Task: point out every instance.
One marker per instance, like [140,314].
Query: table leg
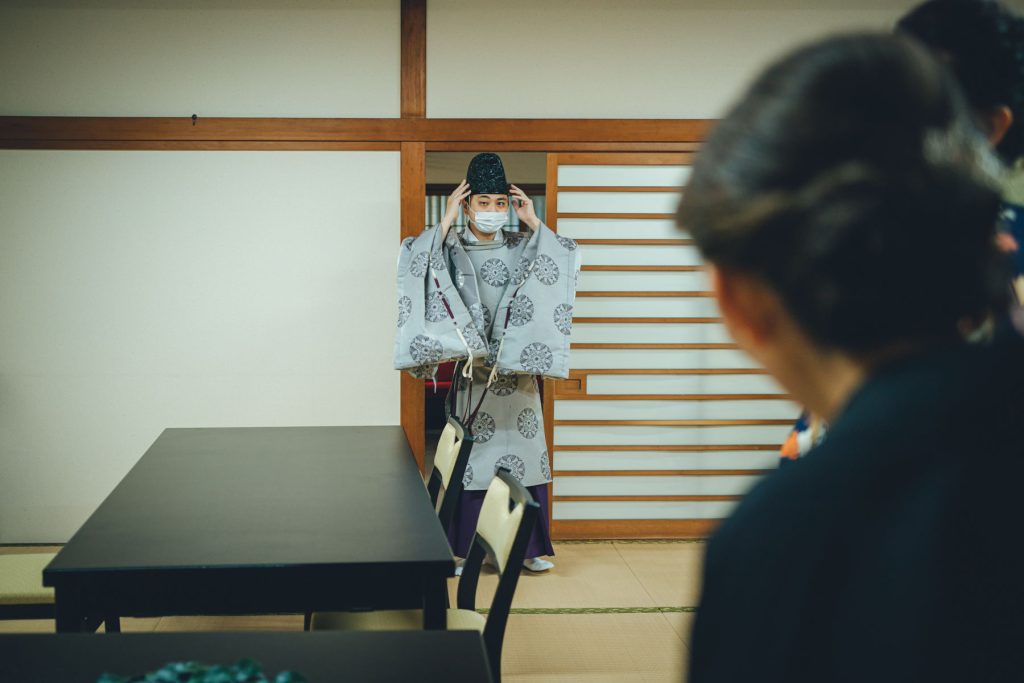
[435,594]
[69,616]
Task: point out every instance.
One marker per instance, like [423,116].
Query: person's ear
[749,308]
[999,121]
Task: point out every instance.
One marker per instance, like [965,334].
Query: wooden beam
[511,146]
[414,58]
[566,529]
[58,130]
[204,145]
[413,180]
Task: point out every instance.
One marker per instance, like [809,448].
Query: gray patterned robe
[454,301]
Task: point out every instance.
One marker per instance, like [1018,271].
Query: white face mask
[490,222]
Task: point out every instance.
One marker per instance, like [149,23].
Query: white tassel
[494,370]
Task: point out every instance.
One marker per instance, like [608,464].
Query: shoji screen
[664,423]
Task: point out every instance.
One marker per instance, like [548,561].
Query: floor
[610,611]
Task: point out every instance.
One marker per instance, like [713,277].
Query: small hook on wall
[194,119]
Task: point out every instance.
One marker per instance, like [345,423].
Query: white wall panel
[643,281]
[606,435]
[610,175]
[144,290]
[619,228]
[646,307]
[614,59]
[682,384]
[305,58]
[709,485]
[618,202]
[566,409]
[611,359]
[568,461]
[643,510]
[639,255]
[650,333]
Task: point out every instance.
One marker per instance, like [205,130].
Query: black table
[366,657]
[259,521]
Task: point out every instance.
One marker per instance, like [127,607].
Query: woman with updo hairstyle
[847,209]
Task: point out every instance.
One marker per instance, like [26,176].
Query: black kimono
[895,552]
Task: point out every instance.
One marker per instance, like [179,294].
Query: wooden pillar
[414,169]
[413,183]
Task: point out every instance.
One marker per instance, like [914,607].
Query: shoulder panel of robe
[434,324]
[538,343]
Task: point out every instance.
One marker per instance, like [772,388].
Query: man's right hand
[452,211]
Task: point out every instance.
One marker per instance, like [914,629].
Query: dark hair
[852,181]
[983,44]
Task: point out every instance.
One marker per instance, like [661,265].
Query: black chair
[450,462]
[507,518]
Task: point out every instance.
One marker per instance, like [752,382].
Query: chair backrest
[450,461]
[507,518]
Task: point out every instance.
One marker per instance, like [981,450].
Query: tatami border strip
[598,610]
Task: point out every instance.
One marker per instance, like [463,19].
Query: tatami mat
[584,576]
[612,612]
[28,549]
[669,572]
[682,623]
[286,622]
[47,625]
[592,647]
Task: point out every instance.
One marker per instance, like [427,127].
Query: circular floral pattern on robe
[404,310]
[476,312]
[503,385]
[423,349]
[536,358]
[437,260]
[527,423]
[569,244]
[494,272]
[521,310]
[492,353]
[473,338]
[546,269]
[545,466]
[513,463]
[418,265]
[521,271]
[563,318]
[483,427]
[467,478]
[435,310]
[422,371]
